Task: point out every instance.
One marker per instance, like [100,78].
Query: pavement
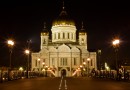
[68,83]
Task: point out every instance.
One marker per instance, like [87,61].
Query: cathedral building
[65,51]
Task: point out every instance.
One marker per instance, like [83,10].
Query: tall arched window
[58,35]
[63,35]
[63,61]
[68,36]
[83,60]
[44,41]
[36,63]
[82,40]
[75,63]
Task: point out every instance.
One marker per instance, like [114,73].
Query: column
[56,35]
[65,35]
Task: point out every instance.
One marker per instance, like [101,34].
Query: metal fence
[16,74]
[112,74]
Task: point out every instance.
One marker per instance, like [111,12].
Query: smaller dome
[82,30]
[63,19]
[44,31]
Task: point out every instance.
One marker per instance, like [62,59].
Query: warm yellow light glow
[3,79]
[63,23]
[38,59]
[84,63]
[84,69]
[43,69]
[107,68]
[21,69]
[27,51]
[116,41]
[10,42]
[78,68]
[81,66]
[43,63]
[88,59]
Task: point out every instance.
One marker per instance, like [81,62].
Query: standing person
[63,73]
[119,74]
[93,72]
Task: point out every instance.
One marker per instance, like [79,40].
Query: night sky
[22,21]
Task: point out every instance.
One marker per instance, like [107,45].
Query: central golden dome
[63,19]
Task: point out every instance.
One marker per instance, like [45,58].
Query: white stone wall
[63,51]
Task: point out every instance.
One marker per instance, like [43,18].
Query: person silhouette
[63,73]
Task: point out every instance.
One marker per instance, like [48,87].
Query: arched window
[75,63]
[82,41]
[36,63]
[44,41]
[83,60]
[63,61]
[68,36]
[63,35]
[58,35]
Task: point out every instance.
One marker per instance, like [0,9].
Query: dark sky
[103,21]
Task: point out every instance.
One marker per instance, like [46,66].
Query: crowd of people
[120,74]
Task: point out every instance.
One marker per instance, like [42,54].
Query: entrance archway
[63,72]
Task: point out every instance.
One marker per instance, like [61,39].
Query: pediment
[64,48]
[75,49]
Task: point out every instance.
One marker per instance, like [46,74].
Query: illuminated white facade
[63,51]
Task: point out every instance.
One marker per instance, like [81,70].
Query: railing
[16,74]
[112,74]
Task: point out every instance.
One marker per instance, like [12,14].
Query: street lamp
[43,68]
[88,59]
[116,43]
[99,59]
[39,63]
[46,67]
[27,52]
[10,44]
[81,66]
[84,68]
[43,64]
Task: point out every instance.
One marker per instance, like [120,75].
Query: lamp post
[43,68]
[46,68]
[99,59]
[27,52]
[39,64]
[116,46]
[10,45]
[84,69]
[88,59]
